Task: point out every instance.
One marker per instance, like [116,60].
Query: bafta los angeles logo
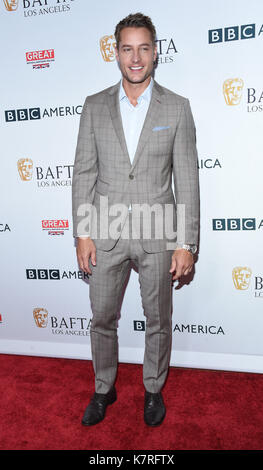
[241,277]
[25,168]
[11,5]
[107,48]
[41,317]
[232,90]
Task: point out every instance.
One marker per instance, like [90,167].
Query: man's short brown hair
[135,20]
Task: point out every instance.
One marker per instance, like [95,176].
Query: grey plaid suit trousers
[106,289]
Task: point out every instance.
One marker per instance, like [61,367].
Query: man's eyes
[129,49]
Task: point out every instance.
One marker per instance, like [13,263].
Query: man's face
[136,54]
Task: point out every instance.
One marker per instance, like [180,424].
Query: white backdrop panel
[217,323]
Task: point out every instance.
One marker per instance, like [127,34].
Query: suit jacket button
[131,177]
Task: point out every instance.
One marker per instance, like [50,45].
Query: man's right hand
[86,250]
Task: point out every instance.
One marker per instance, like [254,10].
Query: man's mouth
[136,68]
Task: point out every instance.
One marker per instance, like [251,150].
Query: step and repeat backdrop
[53,54]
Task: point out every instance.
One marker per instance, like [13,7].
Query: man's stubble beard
[136,81]
[141,80]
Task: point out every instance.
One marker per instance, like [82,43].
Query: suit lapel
[152,117]
[114,106]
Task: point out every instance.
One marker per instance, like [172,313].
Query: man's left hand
[182,263]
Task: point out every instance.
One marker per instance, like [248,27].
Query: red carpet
[43,399]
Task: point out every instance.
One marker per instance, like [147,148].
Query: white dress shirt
[133,117]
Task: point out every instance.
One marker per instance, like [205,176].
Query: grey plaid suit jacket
[104,177]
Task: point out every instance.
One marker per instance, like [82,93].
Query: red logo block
[46,54]
[55,224]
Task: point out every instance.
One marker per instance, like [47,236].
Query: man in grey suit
[132,138]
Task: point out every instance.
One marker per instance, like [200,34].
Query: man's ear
[116,53]
[155,53]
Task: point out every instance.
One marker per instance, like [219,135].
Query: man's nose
[136,56]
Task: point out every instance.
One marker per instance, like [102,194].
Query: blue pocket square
[160,128]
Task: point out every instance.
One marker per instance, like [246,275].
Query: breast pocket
[161,141]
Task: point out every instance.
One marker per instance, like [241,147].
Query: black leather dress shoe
[154,409]
[95,411]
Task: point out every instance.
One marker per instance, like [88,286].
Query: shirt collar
[146,95]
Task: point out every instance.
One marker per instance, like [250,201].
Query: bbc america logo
[54,274]
[236,224]
[32,114]
[22,114]
[51,274]
[233,33]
